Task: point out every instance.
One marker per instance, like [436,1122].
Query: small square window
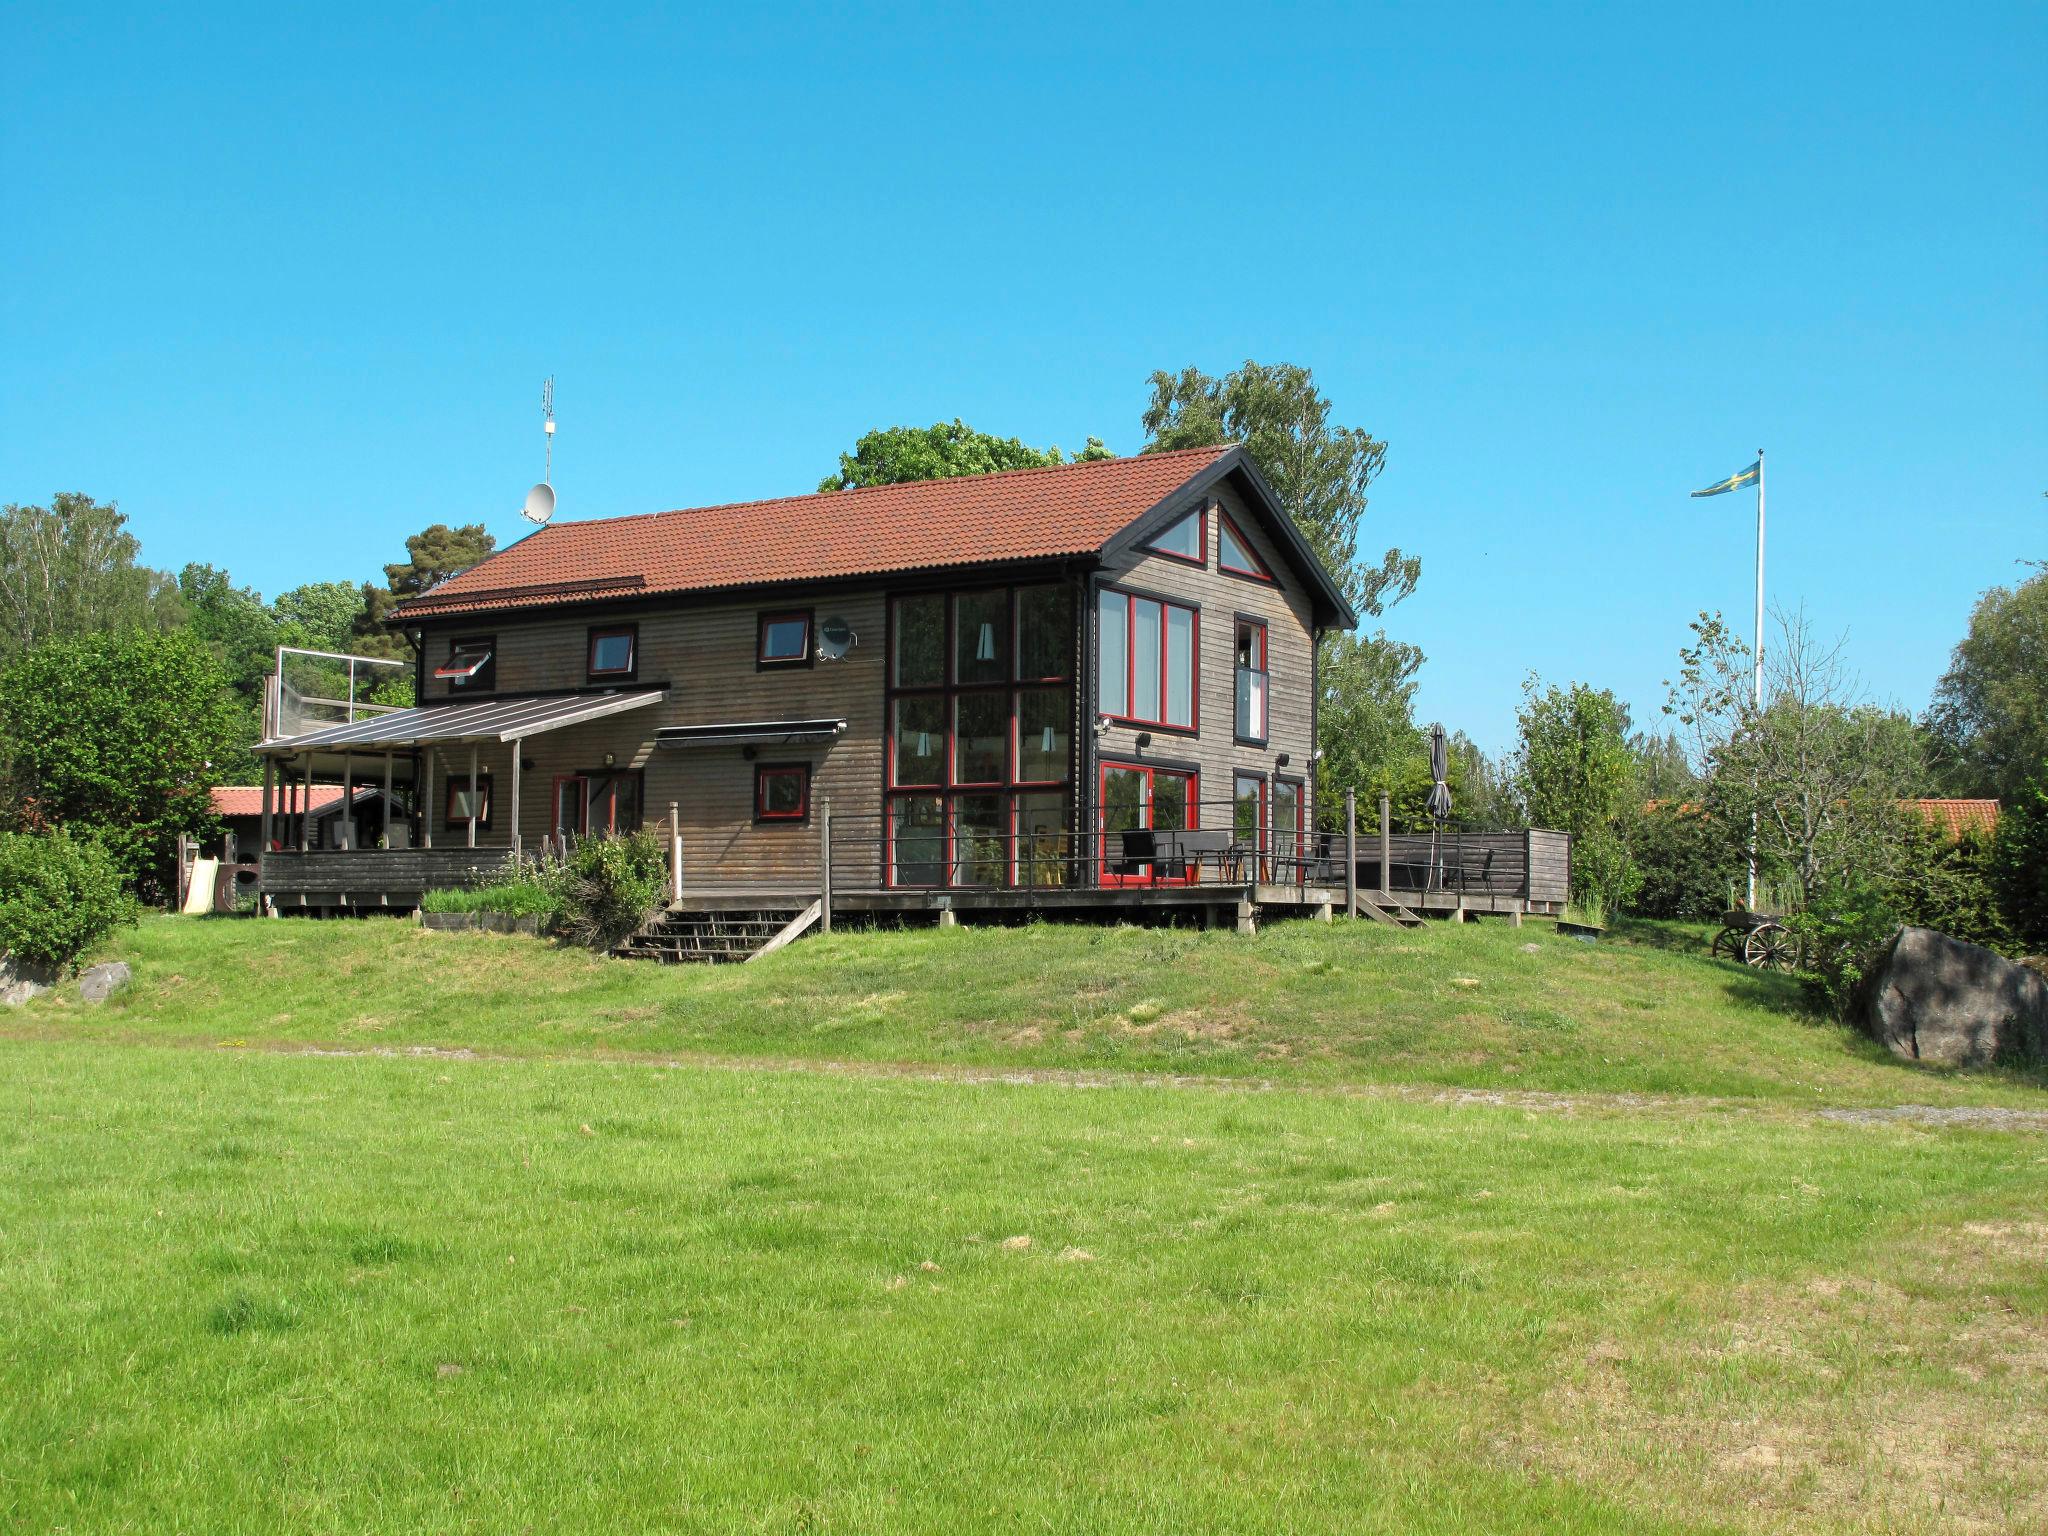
[464,802]
[472,665]
[782,792]
[785,640]
[612,652]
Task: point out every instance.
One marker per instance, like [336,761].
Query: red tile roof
[1019,514]
[1953,816]
[247,799]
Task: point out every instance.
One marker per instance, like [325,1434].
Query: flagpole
[1756,685]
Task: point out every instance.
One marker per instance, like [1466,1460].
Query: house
[1952,818]
[240,810]
[1033,688]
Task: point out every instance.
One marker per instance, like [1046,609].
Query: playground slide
[199,891]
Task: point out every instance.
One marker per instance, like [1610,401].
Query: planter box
[479,922]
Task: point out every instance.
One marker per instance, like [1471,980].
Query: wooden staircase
[1386,910]
[692,933]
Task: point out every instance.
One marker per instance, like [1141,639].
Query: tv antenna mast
[540,501]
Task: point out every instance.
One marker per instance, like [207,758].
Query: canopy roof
[483,720]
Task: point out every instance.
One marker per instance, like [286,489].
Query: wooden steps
[718,934]
[1386,910]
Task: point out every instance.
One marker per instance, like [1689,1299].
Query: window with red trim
[1234,552]
[462,802]
[785,639]
[782,791]
[1187,539]
[1254,684]
[1147,660]
[472,664]
[614,651]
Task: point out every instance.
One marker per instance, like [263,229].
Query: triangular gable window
[1234,553]
[1186,540]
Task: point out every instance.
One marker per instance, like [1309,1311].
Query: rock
[100,982]
[20,981]
[1928,997]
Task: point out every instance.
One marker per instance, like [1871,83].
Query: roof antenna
[540,501]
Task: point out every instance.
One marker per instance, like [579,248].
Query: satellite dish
[836,638]
[540,503]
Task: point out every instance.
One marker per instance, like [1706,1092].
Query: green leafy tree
[2019,864]
[240,630]
[1949,883]
[899,455]
[320,615]
[1688,866]
[1366,724]
[1320,471]
[432,555]
[1573,772]
[1990,711]
[119,735]
[70,569]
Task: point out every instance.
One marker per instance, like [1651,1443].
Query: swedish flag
[1735,482]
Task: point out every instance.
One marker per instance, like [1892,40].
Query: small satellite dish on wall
[836,638]
[540,503]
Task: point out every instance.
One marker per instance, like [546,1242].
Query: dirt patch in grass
[1846,1402]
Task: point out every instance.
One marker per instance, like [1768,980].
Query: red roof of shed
[1019,514]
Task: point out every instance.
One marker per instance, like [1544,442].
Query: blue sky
[285,282]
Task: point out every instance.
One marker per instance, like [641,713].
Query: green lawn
[1465,1007]
[560,1286]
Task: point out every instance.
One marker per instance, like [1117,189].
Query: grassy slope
[254,1292]
[1466,1006]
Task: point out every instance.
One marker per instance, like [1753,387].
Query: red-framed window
[979,736]
[1254,684]
[1234,552]
[1187,539]
[1290,829]
[782,792]
[472,664]
[1251,817]
[596,801]
[783,640]
[1138,798]
[460,802]
[614,651]
[1148,660]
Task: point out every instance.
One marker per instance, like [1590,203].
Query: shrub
[1686,865]
[2019,866]
[1946,883]
[1839,933]
[59,896]
[608,885]
[522,894]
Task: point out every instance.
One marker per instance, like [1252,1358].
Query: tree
[2019,864]
[70,569]
[1319,471]
[1990,710]
[432,555]
[1366,722]
[1688,867]
[243,635]
[1817,771]
[1573,772]
[898,455]
[119,735]
[320,615]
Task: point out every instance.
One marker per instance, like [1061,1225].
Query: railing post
[675,852]
[1351,853]
[1386,845]
[824,866]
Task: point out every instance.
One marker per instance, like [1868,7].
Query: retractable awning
[485,720]
[781,733]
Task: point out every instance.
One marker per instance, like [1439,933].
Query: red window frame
[1130,715]
[763,662]
[1257,570]
[457,783]
[1257,626]
[1192,777]
[1298,833]
[631,632]
[763,773]
[1201,555]
[479,677]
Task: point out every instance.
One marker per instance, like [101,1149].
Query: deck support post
[675,852]
[426,798]
[386,838]
[1458,912]
[1515,918]
[476,802]
[1351,853]
[824,866]
[518,746]
[1247,918]
[1322,912]
[269,778]
[306,809]
[345,823]
[1386,845]
[948,918]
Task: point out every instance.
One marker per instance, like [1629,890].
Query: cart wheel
[1771,948]
[1724,946]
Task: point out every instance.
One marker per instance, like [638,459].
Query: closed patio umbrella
[1439,796]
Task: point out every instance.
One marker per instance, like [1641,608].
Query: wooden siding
[1550,865]
[1285,606]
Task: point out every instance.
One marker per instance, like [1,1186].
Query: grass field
[557,1286]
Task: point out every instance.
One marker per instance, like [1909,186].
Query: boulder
[99,982]
[20,981]
[1928,997]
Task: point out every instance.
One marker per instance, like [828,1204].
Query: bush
[1686,865]
[519,894]
[1947,884]
[2019,866]
[606,886]
[1839,933]
[59,896]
